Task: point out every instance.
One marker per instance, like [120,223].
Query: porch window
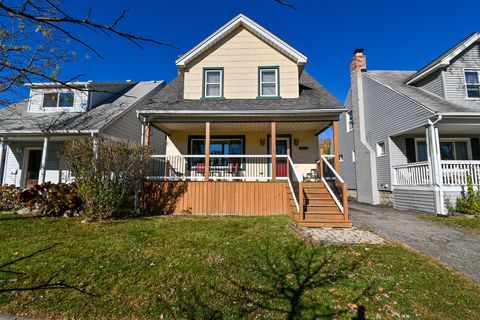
[218,146]
[213,83]
[58,99]
[268,82]
[472,81]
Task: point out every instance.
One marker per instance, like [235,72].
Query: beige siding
[240,54]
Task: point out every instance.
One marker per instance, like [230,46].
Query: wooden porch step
[313,202]
[316,192]
[328,216]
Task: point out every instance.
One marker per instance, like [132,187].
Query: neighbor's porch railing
[417,173]
[455,173]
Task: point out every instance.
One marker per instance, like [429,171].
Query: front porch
[252,168]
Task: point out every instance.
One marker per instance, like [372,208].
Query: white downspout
[43,163]
[2,155]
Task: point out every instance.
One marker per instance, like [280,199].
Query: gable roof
[230,26]
[313,98]
[445,59]
[395,80]
[16,120]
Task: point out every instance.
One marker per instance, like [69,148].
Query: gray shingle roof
[313,96]
[396,81]
[16,119]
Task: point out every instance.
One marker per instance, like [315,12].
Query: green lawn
[219,268]
[456,221]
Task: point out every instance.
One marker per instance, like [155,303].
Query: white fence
[456,172]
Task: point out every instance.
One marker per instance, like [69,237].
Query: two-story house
[411,138]
[33,130]
[242,120]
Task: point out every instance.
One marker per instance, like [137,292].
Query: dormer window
[58,100]
[268,80]
[213,83]
[472,81]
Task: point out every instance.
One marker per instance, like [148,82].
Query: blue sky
[402,35]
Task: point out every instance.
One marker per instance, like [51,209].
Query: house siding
[388,113]
[415,199]
[347,145]
[454,75]
[433,84]
[240,54]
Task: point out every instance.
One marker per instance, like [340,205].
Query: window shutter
[410,145]
[475,142]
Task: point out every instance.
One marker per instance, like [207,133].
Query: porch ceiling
[171,127]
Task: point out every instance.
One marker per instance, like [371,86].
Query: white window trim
[353,156]
[220,95]
[267,82]
[378,149]
[58,101]
[477,70]
[461,139]
[348,122]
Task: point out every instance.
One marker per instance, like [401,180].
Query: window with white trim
[353,156]
[58,100]
[472,83]
[268,82]
[349,120]
[380,149]
[213,83]
[450,149]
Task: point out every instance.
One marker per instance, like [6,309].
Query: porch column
[433,142]
[2,154]
[43,163]
[207,151]
[336,148]
[274,150]
[146,134]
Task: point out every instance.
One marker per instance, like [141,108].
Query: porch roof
[314,98]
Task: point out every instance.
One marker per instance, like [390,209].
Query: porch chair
[233,168]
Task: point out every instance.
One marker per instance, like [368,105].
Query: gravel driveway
[458,248]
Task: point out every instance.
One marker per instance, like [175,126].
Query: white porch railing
[333,181]
[416,173]
[455,173]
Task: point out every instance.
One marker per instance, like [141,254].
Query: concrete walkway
[457,248]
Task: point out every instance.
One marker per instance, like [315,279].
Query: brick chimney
[359,61]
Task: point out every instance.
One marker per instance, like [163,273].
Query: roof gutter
[240,112]
[34,132]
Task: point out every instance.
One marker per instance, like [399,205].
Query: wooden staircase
[318,208]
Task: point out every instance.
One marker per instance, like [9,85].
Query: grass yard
[219,268]
[456,221]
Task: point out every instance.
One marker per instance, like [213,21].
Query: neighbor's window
[380,149]
[353,156]
[472,80]
[349,120]
[58,99]
[213,83]
[449,150]
[268,82]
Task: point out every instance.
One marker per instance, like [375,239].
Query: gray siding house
[33,130]
[413,135]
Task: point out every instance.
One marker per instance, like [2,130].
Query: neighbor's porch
[437,161]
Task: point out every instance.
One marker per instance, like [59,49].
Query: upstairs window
[213,83]
[349,120]
[268,82]
[472,81]
[58,99]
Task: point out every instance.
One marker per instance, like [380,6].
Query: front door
[283,148]
[33,167]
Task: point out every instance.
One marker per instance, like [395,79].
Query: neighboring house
[33,130]
[411,138]
[242,120]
